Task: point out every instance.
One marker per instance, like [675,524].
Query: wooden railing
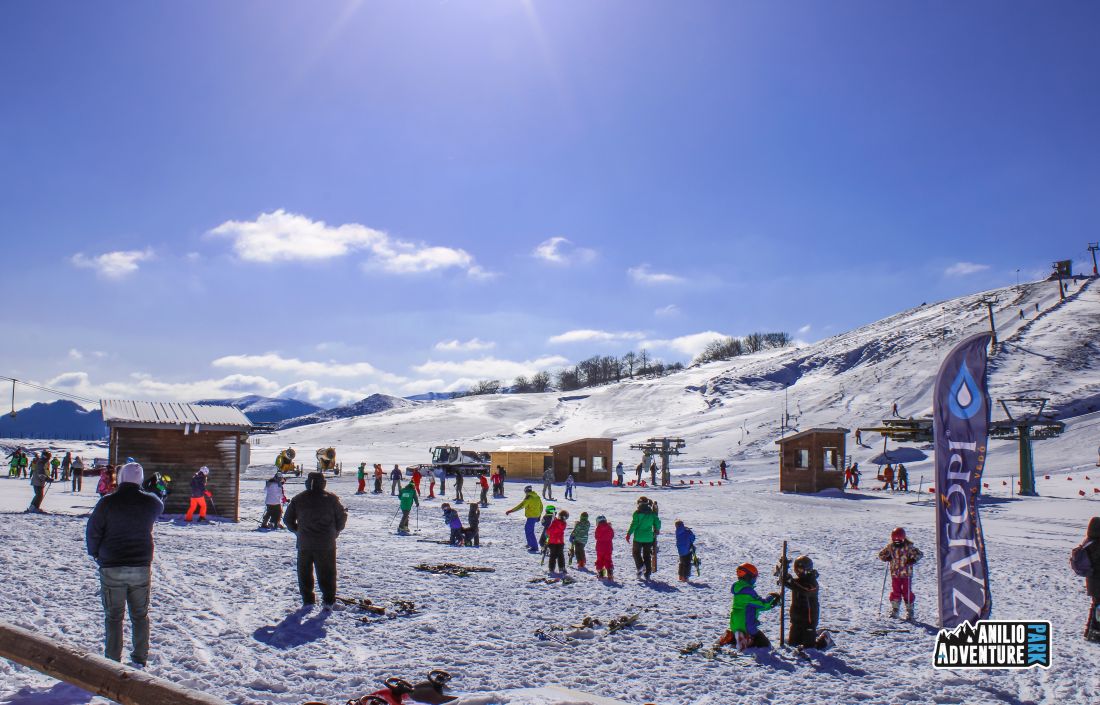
[93,673]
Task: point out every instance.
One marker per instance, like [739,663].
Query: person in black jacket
[804,606]
[1092,583]
[316,517]
[120,538]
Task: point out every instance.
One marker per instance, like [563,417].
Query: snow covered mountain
[267,409]
[732,409]
[373,404]
[57,419]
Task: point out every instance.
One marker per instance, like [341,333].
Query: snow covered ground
[225,595]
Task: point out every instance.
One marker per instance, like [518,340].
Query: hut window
[597,463]
[830,459]
[803,459]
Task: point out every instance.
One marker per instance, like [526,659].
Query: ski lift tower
[663,447]
[1030,423]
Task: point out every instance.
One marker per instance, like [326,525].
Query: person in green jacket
[578,538]
[744,625]
[532,509]
[408,498]
[644,527]
[361,476]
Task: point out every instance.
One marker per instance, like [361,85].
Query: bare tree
[540,382]
[643,361]
[754,342]
[521,385]
[629,360]
[569,379]
[485,386]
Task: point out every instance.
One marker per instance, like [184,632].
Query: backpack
[1079,560]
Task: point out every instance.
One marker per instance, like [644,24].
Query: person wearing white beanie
[198,495]
[119,537]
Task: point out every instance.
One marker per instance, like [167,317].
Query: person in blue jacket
[685,546]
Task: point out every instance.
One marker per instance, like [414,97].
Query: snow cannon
[1081,492]
[1096,490]
[326,459]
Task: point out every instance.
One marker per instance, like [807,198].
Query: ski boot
[909,611]
[895,605]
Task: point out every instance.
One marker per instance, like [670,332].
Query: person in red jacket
[605,538]
[416,480]
[555,541]
[484,481]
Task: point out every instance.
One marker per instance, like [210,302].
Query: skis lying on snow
[459,571]
[589,625]
[717,651]
[396,608]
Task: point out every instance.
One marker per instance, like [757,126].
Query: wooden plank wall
[520,465]
[172,453]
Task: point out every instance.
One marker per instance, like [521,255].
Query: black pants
[685,566]
[39,494]
[643,556]
[485,496]
[471,536]
[458,490]
[578,553]
[457,537]
[378,485]
[1092,624]
[395,486]
[77,484]
[557,557]
[403,527]
[272,516]
[324,562]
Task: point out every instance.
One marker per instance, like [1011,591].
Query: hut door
[829,461]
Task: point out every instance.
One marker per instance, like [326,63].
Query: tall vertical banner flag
[961,411]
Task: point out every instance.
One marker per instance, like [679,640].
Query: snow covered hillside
[373,404]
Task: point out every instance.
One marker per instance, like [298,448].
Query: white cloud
[667,311]
[304,368]
[145,387]
[642,274]
[587,335]
[961,269]
[75,354]
[473,344]
[314,393]
[688,345]
[281,237]
[488,368]
[804,329]
[112,265]
[560,250]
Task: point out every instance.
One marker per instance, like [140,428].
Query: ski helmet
[528,488]
[803,564]
[897,534]
[600,518]
[550,509]
[747,570]
[204,470]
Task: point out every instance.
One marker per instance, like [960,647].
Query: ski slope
[225,595]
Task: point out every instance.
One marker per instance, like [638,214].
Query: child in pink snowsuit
[902,555]
[605,538]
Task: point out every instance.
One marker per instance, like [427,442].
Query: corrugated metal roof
[171,413]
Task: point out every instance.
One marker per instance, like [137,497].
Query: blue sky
[328,199]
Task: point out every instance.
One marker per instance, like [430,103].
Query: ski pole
[882,595]
[394,517]
[418,518]
[783,597]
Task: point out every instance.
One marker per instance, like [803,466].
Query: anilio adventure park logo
[992,644]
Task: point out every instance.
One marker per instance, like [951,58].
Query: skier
[547,519]
[503,472]
[498,484]
[1091,548]
[472,534]
[619,473]
[903,478]
[484,482]
[13,464]
[454,521]
[40,476]
[859,437]
[653,473]
[569,484]
[605,544]
[722,469]
[532,510]
[685,546]
[379,473]
[548,484]
[638,472]
[408,497]
[887,478]
[458,486]
[106,483]
[744,625]
[441,474]
[198,495]
[645,525]
[66,466]
[55,465]
[555,542]
[894,411]
[902,555]
[805,609]
[119,536]
[316,518]
[578,539]
[395,481]
[78,474]
[361,476]
[274,498]
[416,476]
[431,485]
[848,477]
[856,475]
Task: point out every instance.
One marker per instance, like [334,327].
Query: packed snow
[225,597]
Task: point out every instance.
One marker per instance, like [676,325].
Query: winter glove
[773,598]
[207,494]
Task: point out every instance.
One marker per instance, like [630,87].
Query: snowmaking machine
[326,461]
[454,461]
[284,463]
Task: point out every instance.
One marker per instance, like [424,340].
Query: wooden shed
[522,463]
[590,460]
[812,460]
[176,440]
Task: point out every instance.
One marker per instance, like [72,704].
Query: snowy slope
[373,404]
[266,409]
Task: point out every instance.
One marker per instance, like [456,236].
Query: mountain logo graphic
[993,645]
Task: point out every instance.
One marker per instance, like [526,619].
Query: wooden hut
[812,460]
[522,463]
[176,440]
[589,459]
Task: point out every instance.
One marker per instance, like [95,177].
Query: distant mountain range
[371,405]
[266,409]
[433,396]
[57,419]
